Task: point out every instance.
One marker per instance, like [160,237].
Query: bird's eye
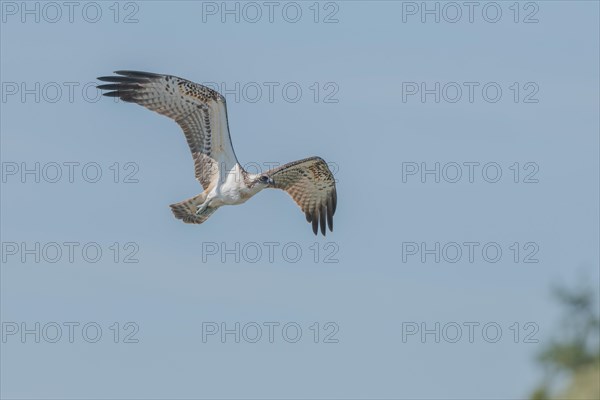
[264,178]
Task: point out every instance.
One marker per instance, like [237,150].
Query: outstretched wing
[200,111]
[312,186]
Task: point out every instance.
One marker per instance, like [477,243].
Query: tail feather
[186,210]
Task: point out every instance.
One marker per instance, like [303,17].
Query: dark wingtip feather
[125,96]
[334,198]
[112,94]
[121,79]
[315,222]
[109,86]
[308,217]
[140,74]
[118,86]
[322,215]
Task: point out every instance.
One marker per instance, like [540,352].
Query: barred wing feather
[200,112]
[312,186]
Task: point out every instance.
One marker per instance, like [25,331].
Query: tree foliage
[575,351]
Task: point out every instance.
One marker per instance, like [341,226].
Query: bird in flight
[202,115]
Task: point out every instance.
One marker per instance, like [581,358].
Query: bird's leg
[200,209]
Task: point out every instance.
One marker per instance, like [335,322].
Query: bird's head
[263,181]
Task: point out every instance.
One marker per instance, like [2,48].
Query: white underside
[231,189]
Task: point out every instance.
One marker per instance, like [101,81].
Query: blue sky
[350,92]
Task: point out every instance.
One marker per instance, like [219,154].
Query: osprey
[202,115]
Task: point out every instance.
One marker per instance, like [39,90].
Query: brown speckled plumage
[312,186]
